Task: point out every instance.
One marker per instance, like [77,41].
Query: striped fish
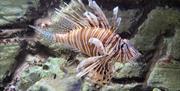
[93,35]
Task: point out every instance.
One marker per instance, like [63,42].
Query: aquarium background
[30,63]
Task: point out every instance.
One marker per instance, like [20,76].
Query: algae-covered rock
[57,84]
[11,10]
[165,76]
[159,22]
[156,89]
[36,73]
[129,70]
[119,87]
[7,57]
[111,87]
[175,49]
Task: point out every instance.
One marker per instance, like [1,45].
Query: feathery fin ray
[98,69]
[127,52]
[84,64]
[75,15]
[99,45]
[46,34]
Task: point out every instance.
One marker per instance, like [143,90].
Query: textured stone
[110,87]
[35,73]
[165,76]
[7,57]
[175,49]
[57,84]
[158,23]
[128,18]
[129,70]
[156,89]
[10,10]
[119,87]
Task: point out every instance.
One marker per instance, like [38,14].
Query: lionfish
[91,33]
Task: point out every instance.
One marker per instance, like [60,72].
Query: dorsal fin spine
[99,12]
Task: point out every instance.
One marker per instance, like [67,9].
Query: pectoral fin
[98,70]
[84,64]
[98,43]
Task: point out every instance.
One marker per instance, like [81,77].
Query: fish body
[92,34]
[79,39]
[112,42]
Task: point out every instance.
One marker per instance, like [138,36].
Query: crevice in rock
[139,20]
[156,56]
[170,32]
[127,80]
[130,4]
[135,25]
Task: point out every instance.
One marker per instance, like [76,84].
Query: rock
[129,70]
[165,76]
[58,84]
[156,89]
[7,57]
[159,23]
[128,17]
[10,10]
[111,87]
[175,49]
[35,73]
[119,87]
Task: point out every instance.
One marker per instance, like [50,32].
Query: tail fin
[98,70]
[46,34]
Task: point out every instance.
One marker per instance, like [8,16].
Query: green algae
[10,10]
[175,49]
[35,73]
[158,22]
[7,57]
[166,76]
